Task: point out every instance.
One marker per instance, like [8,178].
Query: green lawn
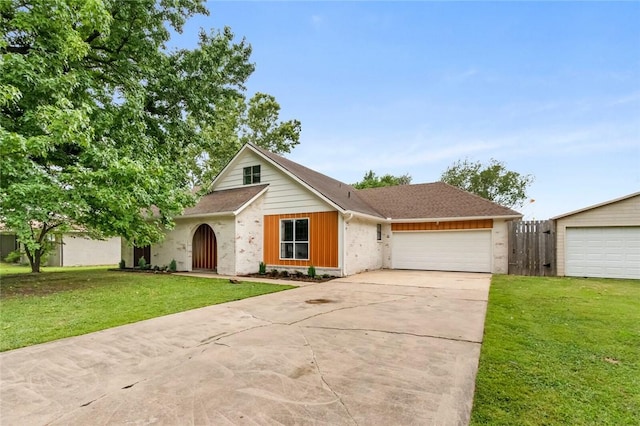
[560,351]
[37,308]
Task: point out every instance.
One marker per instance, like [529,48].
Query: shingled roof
[436,200]
[227,200]
[343,195]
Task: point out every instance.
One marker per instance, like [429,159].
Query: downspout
[345,220]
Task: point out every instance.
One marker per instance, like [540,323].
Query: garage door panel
[612,252]
[468,251]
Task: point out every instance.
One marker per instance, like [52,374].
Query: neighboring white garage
[467,251]
[612,252]
[72,249]
[601,240]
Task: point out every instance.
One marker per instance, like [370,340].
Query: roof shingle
[436,200]
[227,200]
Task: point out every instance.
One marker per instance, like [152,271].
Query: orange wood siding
[443,226]
[323,239]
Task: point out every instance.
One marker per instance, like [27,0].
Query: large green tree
[371,180]
[104,129]
[492,181]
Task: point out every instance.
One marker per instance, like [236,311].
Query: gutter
[199,216]
[452,219]
[365,216]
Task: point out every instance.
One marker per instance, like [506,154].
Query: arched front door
[204,249]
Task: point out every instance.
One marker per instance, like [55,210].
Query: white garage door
[603,252]
[468,251]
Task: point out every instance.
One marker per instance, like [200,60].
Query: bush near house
[560,351]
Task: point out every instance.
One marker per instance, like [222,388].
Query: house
[71,248]
[75,249]
[265,208]
[601,240]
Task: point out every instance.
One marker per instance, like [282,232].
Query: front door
[205,247]
[139,252]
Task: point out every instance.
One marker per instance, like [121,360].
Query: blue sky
[550,88]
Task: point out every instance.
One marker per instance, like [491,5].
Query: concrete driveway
[383,347]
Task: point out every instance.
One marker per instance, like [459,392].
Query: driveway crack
[346,307]
[315,362]
[215,338]
[400,333]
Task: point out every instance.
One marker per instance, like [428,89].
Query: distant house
[70,249]
[601,240]
[74,249]
[8,242]
[265,208]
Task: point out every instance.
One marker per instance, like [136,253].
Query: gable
[284,194]
[624,212]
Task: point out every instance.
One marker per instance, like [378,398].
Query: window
[379,232]
[251,175]
[294,239]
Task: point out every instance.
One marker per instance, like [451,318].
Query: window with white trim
[251,175]
[294,239]
[379,232]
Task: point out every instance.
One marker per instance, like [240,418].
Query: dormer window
[251,175]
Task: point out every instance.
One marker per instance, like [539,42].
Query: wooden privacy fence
[532,248]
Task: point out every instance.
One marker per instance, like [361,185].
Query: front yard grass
[37,308]
[560,351]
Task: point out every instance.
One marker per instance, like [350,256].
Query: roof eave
[453,219]
[365,216]
[203,215]
[595,206]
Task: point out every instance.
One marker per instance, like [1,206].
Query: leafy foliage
[492,181]
[103,129]
[371,180]
[311,271]
[241,123]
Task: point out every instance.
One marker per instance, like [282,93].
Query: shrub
[274,273]
[298,274]
[121,265]
[173,266]
[325,276]
[262,268]
[142,263]
[311,271]
[284,274]
[13,257]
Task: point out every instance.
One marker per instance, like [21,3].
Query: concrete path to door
[379,348]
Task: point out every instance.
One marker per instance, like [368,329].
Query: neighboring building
[601,240]
[74,249]
[8,243]
[265,208]
[70,249]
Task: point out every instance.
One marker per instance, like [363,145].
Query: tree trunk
[34,260]
[35,266]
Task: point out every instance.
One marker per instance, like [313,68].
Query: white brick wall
[362,250]
[248,239]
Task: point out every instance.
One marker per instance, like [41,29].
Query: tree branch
[22,50]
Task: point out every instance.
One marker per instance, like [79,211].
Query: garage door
[610,252]
[468,251]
